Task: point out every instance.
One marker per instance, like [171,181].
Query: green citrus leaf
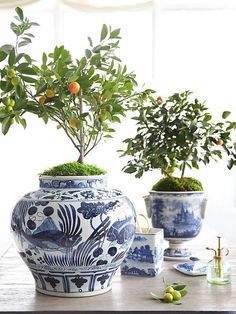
[207,117]
[12,57]
[3,114]
[115,33]
[20,13]
[3,55]
[6,123]
[28,71]
[28,79]
[183,293]
[230,164]
[130,169]
[6,48]
[231,126]
[178,287]
[23,43]
[225,114]
[104,32]
[88,53]
[90,41]
[23,122]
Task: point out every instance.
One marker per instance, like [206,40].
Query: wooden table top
[129,294]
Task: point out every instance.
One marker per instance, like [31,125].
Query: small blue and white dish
[193,268]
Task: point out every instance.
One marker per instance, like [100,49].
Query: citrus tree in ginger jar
[75,227]
[84,97]
[173,135]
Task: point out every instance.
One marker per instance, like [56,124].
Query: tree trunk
[81,156]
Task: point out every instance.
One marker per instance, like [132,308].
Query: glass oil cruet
[218,270]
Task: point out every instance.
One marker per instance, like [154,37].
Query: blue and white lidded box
[145,256]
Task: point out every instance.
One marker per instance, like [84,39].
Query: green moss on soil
[73,168]
[178,184]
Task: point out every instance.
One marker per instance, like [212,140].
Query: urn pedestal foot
[177,250]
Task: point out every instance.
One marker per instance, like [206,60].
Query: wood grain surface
[129,294]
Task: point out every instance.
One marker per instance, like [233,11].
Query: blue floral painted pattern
[91,210]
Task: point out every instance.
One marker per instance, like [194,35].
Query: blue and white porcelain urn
[73,234]
[180,215]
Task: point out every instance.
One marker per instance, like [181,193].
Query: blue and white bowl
[73,234]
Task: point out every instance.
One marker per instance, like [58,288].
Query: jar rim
[100,176]
[176,192]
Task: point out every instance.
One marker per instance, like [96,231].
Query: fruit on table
[172,294]
[176,295]
[168,297]
[170,289]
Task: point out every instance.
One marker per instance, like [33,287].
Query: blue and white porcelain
[180,214]
[145,256]
[73,234]
[193,268]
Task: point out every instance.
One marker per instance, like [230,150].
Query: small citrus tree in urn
[174,135]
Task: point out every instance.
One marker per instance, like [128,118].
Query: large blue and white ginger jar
[180,214]
[73,234]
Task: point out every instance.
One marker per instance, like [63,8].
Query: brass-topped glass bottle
[218,270]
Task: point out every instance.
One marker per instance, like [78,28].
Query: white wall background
[176,46]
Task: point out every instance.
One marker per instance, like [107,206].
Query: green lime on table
[176,295]
[168,297]
[173,293]
[170,289]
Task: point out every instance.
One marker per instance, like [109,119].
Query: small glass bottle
[218,270]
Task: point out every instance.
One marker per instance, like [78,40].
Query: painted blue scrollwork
[121,231]
[91,210]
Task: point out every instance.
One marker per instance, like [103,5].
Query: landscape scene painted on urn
[178,218]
